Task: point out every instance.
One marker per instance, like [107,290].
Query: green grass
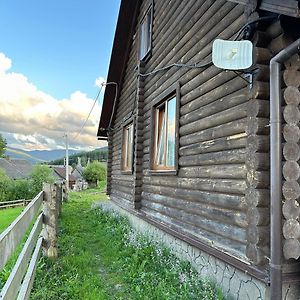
[101,257]
[8,215]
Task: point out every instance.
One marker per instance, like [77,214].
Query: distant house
[59,173]
[16,168]
[78,174]
[78,170]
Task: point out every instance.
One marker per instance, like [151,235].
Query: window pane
[130,146]
[145,35]
[142,40]
[161,137]
[171,133]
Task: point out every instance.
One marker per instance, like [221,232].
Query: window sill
[123,172]
[164,172]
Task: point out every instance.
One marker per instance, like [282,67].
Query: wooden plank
[12,285]
[14,201]
[27,283]
[11,237]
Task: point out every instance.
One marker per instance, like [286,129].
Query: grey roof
[16,168]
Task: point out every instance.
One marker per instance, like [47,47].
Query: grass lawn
[8,215]
[101,257]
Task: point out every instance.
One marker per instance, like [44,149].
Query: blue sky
[61,46]
[51,53]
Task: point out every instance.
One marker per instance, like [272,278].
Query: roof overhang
[120,52]
[286,7]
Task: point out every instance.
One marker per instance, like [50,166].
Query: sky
[53,56]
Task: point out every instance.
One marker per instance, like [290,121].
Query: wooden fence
[43,210]
[14,203]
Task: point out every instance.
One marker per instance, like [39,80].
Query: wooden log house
[189,143]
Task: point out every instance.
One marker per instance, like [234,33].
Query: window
[127,147]
[164,138]
[145,34]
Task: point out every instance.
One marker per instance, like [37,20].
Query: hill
[97,154]
[37,156]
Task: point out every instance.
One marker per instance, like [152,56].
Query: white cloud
[37,120]
[5,63]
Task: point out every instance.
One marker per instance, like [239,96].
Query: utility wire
[253,22]
[95,101]
[190,66]
[209,63]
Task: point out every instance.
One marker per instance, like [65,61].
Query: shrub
[39,175]
[95,172]
[6,185]
[22,189]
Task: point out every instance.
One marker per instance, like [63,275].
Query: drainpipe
[276,172]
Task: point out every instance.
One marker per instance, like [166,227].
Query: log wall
[220,194]
[206,198]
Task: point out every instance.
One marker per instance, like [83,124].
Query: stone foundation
[234,283]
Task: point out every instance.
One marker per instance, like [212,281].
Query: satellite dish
[232,55]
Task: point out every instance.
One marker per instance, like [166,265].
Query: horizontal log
[258,108]
[257,161]
[291,114]
[261,56]
[291,190]
[291,151]
[291,170]
[256,254]
[257,197]
[261,39]
[293,62]
[291,77]
[214,158]
[291,229]
[226,102]
[291,209]
[258,179]
[291,95]
[209,238]
[291,133]
[258,235]
[225,186]
[291,248]
[274,30]
[236,171]
[257,126]
[223,117]
[206,197]
[224,143]
[219,131]
[194,99]
[219,228]
[258,143]
[124,189]
[258,216]
[279,43]
[204,210]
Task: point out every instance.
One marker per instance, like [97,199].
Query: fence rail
[14,203]
[44,210]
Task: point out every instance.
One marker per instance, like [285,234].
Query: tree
[5,186]
[3,144]
[39,175]
[94,172]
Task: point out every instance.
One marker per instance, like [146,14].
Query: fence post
[64,192]
[50,220]
[59,196]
